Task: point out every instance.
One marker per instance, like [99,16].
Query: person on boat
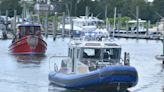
[14,40]
[19,35]
[129,29]
[97,53]
[106,56]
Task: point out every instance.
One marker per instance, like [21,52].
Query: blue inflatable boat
[95,65]
[107,77]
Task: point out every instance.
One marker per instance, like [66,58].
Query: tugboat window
[22,32]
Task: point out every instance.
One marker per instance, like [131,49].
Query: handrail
[56,69]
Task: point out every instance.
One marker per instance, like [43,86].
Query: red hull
[29,45]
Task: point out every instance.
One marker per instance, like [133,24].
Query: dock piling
[114,24]
[6,26]
[46,25]
[137,18]
[63,24]
[54,26]
[71,31]
[14,23]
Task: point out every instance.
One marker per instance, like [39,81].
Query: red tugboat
[28,40]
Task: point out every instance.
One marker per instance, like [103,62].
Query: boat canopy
[94,52]
[24,25]
[135,21]
[28,29]
[94,44]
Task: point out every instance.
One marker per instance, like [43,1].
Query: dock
[136,36]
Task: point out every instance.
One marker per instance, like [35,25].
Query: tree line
[152,11]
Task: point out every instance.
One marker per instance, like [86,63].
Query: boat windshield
[100,57]
[91,53]
[29,30]
[106,54]
[112,55]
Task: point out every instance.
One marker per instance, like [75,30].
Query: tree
[10,6]
[158,6]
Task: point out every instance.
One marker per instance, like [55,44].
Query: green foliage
[123,20]
[147,11]
[10,5]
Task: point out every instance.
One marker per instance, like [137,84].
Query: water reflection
[55,88]
[29,59]
[19,74]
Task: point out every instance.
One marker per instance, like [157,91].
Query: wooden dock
[136,36]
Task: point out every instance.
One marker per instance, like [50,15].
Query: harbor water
[30,74]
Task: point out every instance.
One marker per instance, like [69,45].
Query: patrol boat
[96,65]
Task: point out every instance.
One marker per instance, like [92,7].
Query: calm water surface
[30,74]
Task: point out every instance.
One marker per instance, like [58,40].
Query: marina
[33,74]
[95,65]
[81,46]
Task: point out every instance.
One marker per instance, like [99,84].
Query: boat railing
[94,38]
[55,66]
[56,69]
[126,58]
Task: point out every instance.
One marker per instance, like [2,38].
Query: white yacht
[84,24]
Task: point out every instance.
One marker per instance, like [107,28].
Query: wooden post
[6,26]
[24,12]
[75,8]
[54,26]
[106,13]
[6,20]
[46,22]
[86,11]
[106,18]
[14,23]
[63,24]
[114,24]
[157,24]
[119,23]
[137,18]
[127,27]
[147,27]
[46,25]
[72,28]
[162,20]
[163,35]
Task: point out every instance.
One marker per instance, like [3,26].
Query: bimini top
[19,25]
[93,44]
